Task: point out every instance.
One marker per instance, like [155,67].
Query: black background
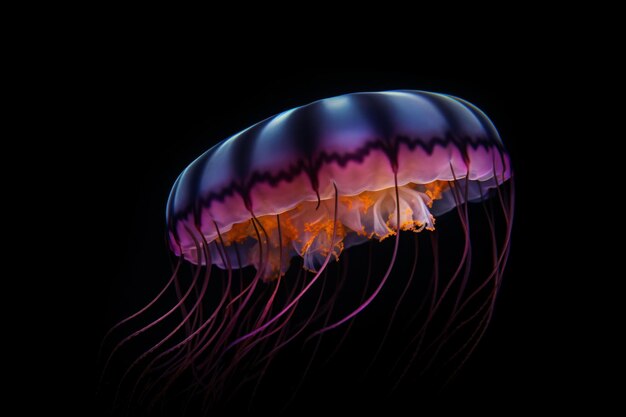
[153,113]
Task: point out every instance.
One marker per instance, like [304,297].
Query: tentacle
[150,325]
[301,294]
[383,281]
[395,309]
[202,343]
[307,369]
[186,362]
[145,308]
[366,284]
[173,332]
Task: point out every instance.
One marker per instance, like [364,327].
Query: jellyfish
[287,197]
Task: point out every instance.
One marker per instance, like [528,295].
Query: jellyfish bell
[310,183]
[284,170]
